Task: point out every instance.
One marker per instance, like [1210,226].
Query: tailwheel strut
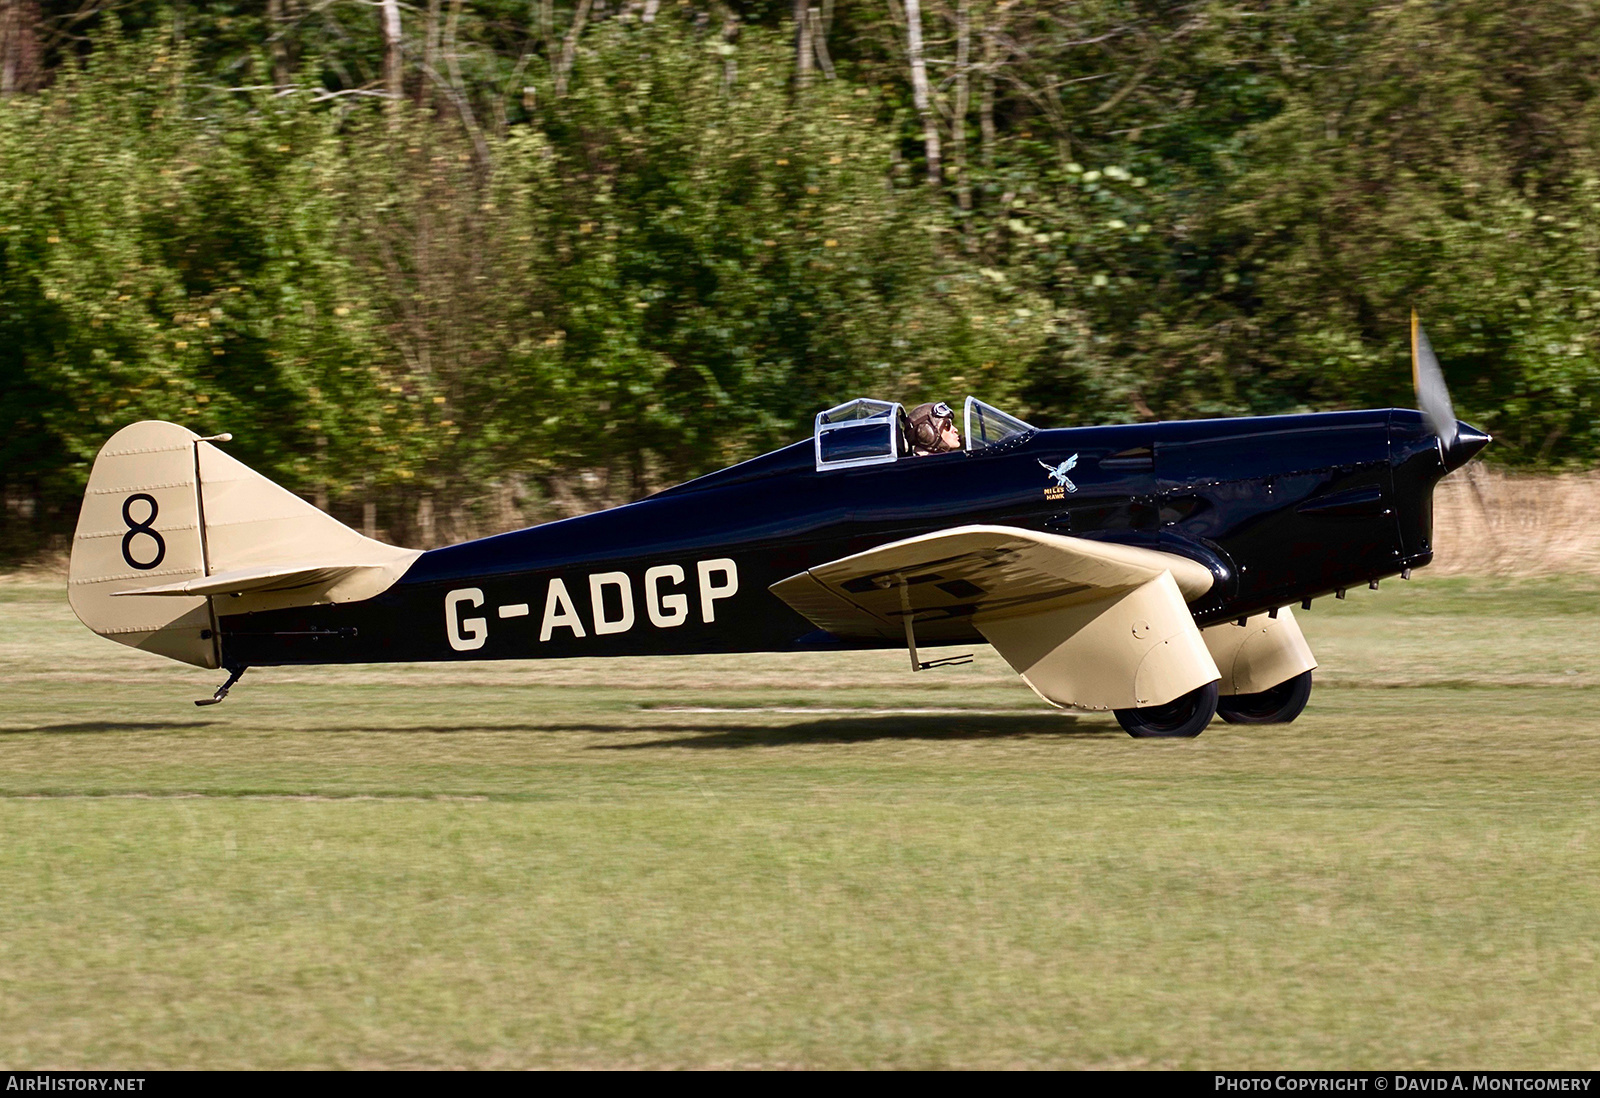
[234,674]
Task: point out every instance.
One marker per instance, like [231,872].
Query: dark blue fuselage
[1280,509]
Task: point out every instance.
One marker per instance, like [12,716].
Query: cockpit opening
[876,432]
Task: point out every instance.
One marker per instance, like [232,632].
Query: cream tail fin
[174,533]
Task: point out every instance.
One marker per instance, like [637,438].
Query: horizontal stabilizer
[288,577]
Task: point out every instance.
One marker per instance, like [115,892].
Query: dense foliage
[445,267]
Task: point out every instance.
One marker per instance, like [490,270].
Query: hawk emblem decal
[1058,473]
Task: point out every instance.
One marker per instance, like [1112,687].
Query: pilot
[933,429]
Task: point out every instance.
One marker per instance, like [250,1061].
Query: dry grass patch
[1491,522]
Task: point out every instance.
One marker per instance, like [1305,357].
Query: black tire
[1182,718]
[1278,705]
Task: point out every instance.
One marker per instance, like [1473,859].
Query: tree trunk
[730,64]
[389,24]
[458,87]
[919,89]
[804,52]
[10,20]
[425,521]
[569,48]
[986,103]
[958,124]
[19,46]
[430,48]
[321,490]
[819,40]
[277,28]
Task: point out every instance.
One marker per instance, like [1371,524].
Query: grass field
[816,861]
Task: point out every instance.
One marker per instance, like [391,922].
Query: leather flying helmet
[928,423]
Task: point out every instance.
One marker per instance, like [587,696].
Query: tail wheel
[1182,718]
[1278,705]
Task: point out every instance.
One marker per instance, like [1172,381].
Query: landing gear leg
[917,663]
[1182,718]
[234,673]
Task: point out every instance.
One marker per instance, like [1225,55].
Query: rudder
[140,524]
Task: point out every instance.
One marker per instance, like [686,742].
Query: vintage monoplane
[1147,569]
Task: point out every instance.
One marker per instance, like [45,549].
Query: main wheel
[1182,718]
[1278,705]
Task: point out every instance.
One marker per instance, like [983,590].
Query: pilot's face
[950,436]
